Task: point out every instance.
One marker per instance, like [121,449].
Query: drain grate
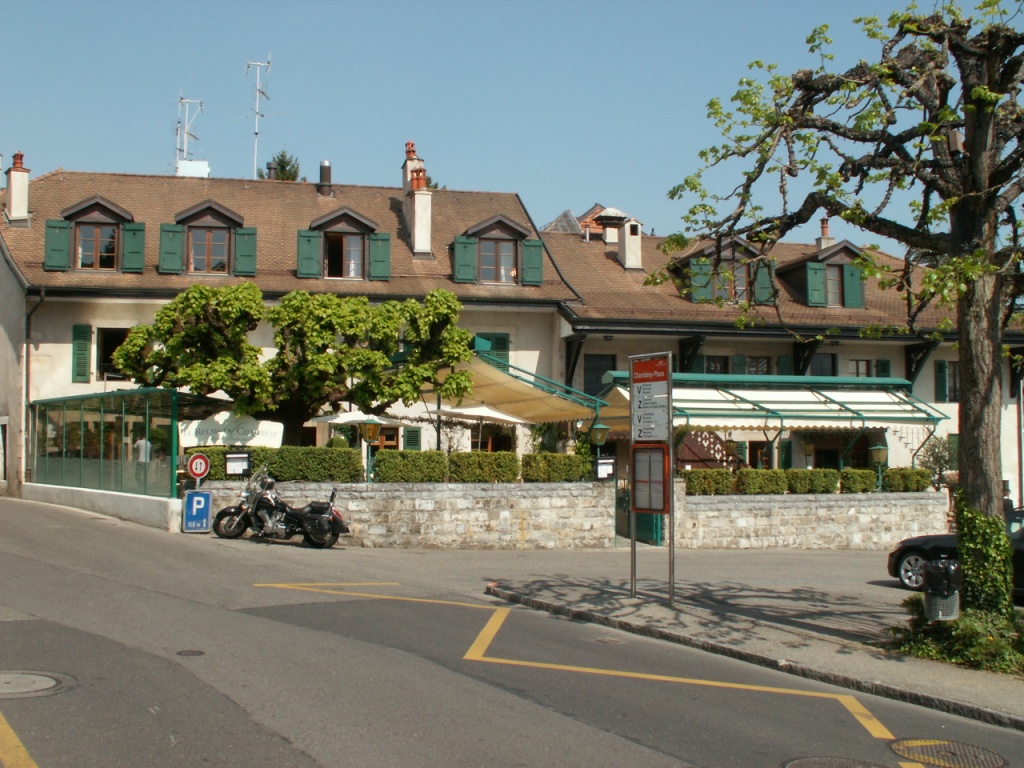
[829,762]
[947,754]
[23,684]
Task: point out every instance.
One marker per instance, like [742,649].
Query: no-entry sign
[198,465]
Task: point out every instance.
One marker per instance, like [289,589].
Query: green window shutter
[816,296]
[763,284]
[853,287]
[500,345]
[380,256]
[698,364]
[309,254]
[465,260]
[738,364]
[883,369]
[58,245]
[172,249]
[245,252]
[701,284]
[784,363]
[533,262]
[81,353]
[786,454]
[133,246]
[954,450]
[741,450]
[941,393]
[411,438]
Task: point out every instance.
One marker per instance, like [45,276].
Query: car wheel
[911,570]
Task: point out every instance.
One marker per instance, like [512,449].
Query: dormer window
[834,285]
[95,234]
[500,251]
[344,245]
[208,239]
[735,279]
[208,250]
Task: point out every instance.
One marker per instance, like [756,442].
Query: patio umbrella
[355,416]
[480,414]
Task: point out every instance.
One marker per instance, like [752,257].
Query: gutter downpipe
[27,360]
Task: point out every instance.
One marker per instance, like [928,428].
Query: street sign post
[198,465]
[196,514]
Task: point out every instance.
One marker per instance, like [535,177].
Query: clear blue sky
[567,102]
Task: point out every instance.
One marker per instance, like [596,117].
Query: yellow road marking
[12,752]
[477,652]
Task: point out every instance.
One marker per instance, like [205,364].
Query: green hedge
[901,479]
[858,480]
[390,466]
[709,482]
[555,468]
[749,481]
[483,467]
[289,462]
[812,480]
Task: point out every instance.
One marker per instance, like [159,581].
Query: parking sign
[196,517]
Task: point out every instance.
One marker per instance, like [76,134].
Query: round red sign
[198,465]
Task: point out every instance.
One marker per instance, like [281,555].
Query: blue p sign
[196,517]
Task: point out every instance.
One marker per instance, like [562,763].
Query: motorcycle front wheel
[319,540]
[230,523]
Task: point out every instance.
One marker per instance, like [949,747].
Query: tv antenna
[256,111]
[184,130]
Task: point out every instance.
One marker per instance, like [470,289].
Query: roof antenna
[184,130]
[259,92]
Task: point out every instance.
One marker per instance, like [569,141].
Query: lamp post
[809,452]
[370,431]
[879,455]
[598,435]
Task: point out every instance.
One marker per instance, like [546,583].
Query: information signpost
[650,452]
[196,517]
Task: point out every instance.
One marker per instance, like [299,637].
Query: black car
[907,561]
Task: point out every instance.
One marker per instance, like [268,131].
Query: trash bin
[942,590]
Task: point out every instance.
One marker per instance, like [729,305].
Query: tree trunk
[980,357]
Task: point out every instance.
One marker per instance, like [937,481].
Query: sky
[566,102]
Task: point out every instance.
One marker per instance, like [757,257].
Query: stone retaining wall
[582,516]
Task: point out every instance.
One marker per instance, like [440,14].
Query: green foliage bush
[483,467]
[986,561]
[750,481]
[906,479]
[709,482]
[858,480]
[289,462]
[391,466]
[812,480]
[555,468]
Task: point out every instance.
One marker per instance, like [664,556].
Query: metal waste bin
[942,582]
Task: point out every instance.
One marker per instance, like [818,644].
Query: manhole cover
[829,762]
[191,653]
[947,754]
[20,684]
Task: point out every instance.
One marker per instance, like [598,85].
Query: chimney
[323,187]
[611,221]
[825,241]
[417,201]
[629,245]
[272,171]
[17,189]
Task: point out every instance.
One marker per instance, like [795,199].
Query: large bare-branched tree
[922,146]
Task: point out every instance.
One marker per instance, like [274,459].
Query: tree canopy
[922,146]
[329,350]
[287,167]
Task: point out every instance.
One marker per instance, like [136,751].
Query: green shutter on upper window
[697,366]
[738,364]
[58,245]
[500,347]
[816,296]
[701,284]
[133,247]
[883,369]
[464,260]
[172,249]
[81,353]
[380,256]
[941,391]
[784,364]
[763,283]
[533,262]
[741,450]
[309,254]
[853,287]
[412,438]
[245,252]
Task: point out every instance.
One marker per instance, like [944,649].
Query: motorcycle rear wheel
[320,541]
[229,524]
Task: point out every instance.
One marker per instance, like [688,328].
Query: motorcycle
[262,511]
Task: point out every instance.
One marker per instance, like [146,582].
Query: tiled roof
[614,295]
[278,209]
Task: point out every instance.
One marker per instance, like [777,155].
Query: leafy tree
[287,167]
[922,146]
[938,458]
[330,350]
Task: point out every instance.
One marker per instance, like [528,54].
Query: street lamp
[879,455]
[598,435]
[370,431]
[809,452]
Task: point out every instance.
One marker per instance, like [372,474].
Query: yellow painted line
[12,752]
[911,765]
[477,652]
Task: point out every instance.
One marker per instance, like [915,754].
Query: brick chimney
[417,201]
[825,241]
[629,245]
[17,190]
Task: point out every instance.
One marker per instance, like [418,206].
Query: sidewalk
[823,634]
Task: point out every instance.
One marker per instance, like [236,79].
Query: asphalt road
[188,650]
